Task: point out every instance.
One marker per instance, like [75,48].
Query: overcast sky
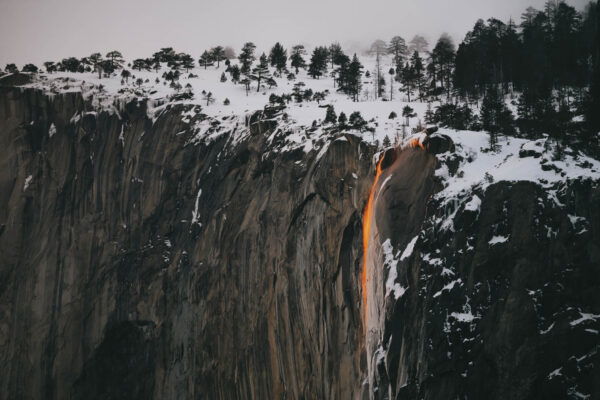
[40,30]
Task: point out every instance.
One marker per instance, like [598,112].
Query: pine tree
[342,120]
[261,73]
[354,78]
[246,57]
[278,57]
[330,116]
[336,54]
[418,72]
[357,121]
[116,59]
[205,59]
[392,73]
[96,60]
[50,66]
[419,44]
[11,68]
[378,48]
[398,50]
[407,77]
[318,62]
[223,77]
[187,61]
[29,68]
[125,74]
[246,82]
[443,59]
[218,54]
[139,64]
[297,61]
[234,71]
[166,54]
[208,97]
[408,113]
[386,142]
[298,91]
[495,116]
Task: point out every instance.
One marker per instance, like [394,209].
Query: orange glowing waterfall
[367,220]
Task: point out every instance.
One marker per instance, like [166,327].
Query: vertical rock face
[134,264]
[138,261]
[495,298]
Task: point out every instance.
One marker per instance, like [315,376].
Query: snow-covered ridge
[515,159]
[231,101]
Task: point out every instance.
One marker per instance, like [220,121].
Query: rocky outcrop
[138,263]
[496,297]
[139,260]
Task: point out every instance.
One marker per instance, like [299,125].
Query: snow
[555,373]
[111,95]
[409,249]
[463,317]
[585,317]
[474,205]
[382,186]
[52,130]
[481,167]
[448,287]
[498,239]
[27,182]
[196,211]
[391,262]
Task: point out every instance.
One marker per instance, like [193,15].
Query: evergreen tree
[209,98]
[443,60]
[296,58]
[246,82]
[330,116]
[217,54]
[50,66]
[419,44]
[298,91]
[11,68]
[495,116]
[72,64]
[378,48]
[165,55]
[357,121]
[397,48]
[278,57]
[205,59]
[336,54]
[260,73]
[318,62]
[234,71]
[187,61]
[408,112]
[407,77]
[125,74]
[223,77]
[139,64]
[418,73]
[29,68]
[246,57]
[96,60]
[342,120]
[116,59]
[386,142]
[350,78]
[392,73]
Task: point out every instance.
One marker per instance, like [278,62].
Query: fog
[40,30]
